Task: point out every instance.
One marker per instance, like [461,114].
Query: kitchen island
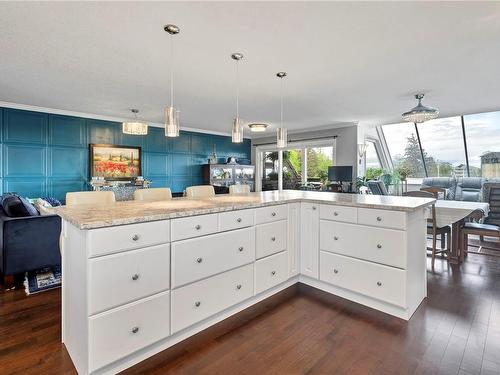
[139,277]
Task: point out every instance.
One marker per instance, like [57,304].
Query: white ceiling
[347,62]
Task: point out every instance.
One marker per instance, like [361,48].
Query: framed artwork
[115,162]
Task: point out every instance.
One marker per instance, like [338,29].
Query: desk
[453,213]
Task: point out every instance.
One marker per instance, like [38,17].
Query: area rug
[42,280]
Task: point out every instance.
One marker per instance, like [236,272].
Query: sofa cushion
[469,189]
[15,206]
[448,183]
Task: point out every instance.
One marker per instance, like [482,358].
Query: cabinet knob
[273,273]
[335,213]
[335,238]
[273,214]
[135,329]
[379,246]
[273,239]
[198,227]
[238,286]
[335,270]
[314,208]
[240,249]
[199,260]
[135,277]
[238,220]
[379,283]
[197,303]
[379,218]
[135,237]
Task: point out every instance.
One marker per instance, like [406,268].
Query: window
[371,156]
[443,147]
[318,161]
[404,148]
[482,132]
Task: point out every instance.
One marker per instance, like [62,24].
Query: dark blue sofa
[28,243]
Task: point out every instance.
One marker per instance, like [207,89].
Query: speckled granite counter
[120,213]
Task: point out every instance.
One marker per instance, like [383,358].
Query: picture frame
[115,162]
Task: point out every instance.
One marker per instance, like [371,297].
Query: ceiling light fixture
[281,133]
[135,127]
[258,127]
[237,131]
[420,113]
[171,114]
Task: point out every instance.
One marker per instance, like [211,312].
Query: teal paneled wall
[44,154]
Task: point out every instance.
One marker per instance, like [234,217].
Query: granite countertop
[129,212]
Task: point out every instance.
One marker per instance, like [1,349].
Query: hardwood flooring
[302,331]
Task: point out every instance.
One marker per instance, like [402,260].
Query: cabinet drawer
[374,280]
[271,238]
[194,226]
[126,237]
[198,258]
[382,218]
[122,331]
[271,271]
[386,246]
[339,213]
[195,302]
[236,219]
[121,278]
[271,213]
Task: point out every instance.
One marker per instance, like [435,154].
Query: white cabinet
[197,258]
[271,213]
[196,302]
[270,271]
[270,238]
[194,226]
[382,218]
[236,219]
[293,245]
[339,213]
[309,239]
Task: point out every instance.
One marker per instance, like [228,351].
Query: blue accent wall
[44,154]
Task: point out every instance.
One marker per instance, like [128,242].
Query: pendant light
[135,127]
[237,131]
[281,133]
[420,113]
[171,114]
[258,127]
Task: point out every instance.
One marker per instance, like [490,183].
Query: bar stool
[153,194]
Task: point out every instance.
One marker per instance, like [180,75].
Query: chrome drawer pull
[197,303]
[198,227]
[379,246]
[335,270]
[273,239]
[238,220]
[238,286]
[240,249]
[335,238]
[135,277]
[314,208]
[273,273]
[379,283]
[273,214]
[335,213]
[135,237]
[379,218]
[199,260]
[135,329]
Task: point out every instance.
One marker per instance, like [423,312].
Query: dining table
[454,213]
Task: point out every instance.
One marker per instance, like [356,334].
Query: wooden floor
[455,331]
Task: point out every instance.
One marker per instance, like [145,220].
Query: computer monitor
[340,173]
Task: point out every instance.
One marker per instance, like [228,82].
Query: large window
[442,144]
[403,145]
[371,156]
[482,132]
[318,161]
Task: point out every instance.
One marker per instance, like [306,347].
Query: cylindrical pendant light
[135,127]
[171,114]
[281,133]
[237,130]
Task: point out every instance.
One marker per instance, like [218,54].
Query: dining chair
[153,194]
[89,198]
[200,191]
[377,187]
[239,189]
[433,229]
[473,226]
[435,191]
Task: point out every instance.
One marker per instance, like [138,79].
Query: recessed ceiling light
[258,127]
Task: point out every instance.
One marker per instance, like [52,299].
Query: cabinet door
[293,239]
[309,239]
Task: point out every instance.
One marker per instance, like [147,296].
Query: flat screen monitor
[340,173]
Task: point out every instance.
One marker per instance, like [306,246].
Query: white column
[280,170]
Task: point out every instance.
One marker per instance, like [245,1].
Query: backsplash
[46,154]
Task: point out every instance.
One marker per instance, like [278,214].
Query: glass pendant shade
[281,137]
[237,131]
[134,127]
[258,127]
[420,113]
[172,122]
